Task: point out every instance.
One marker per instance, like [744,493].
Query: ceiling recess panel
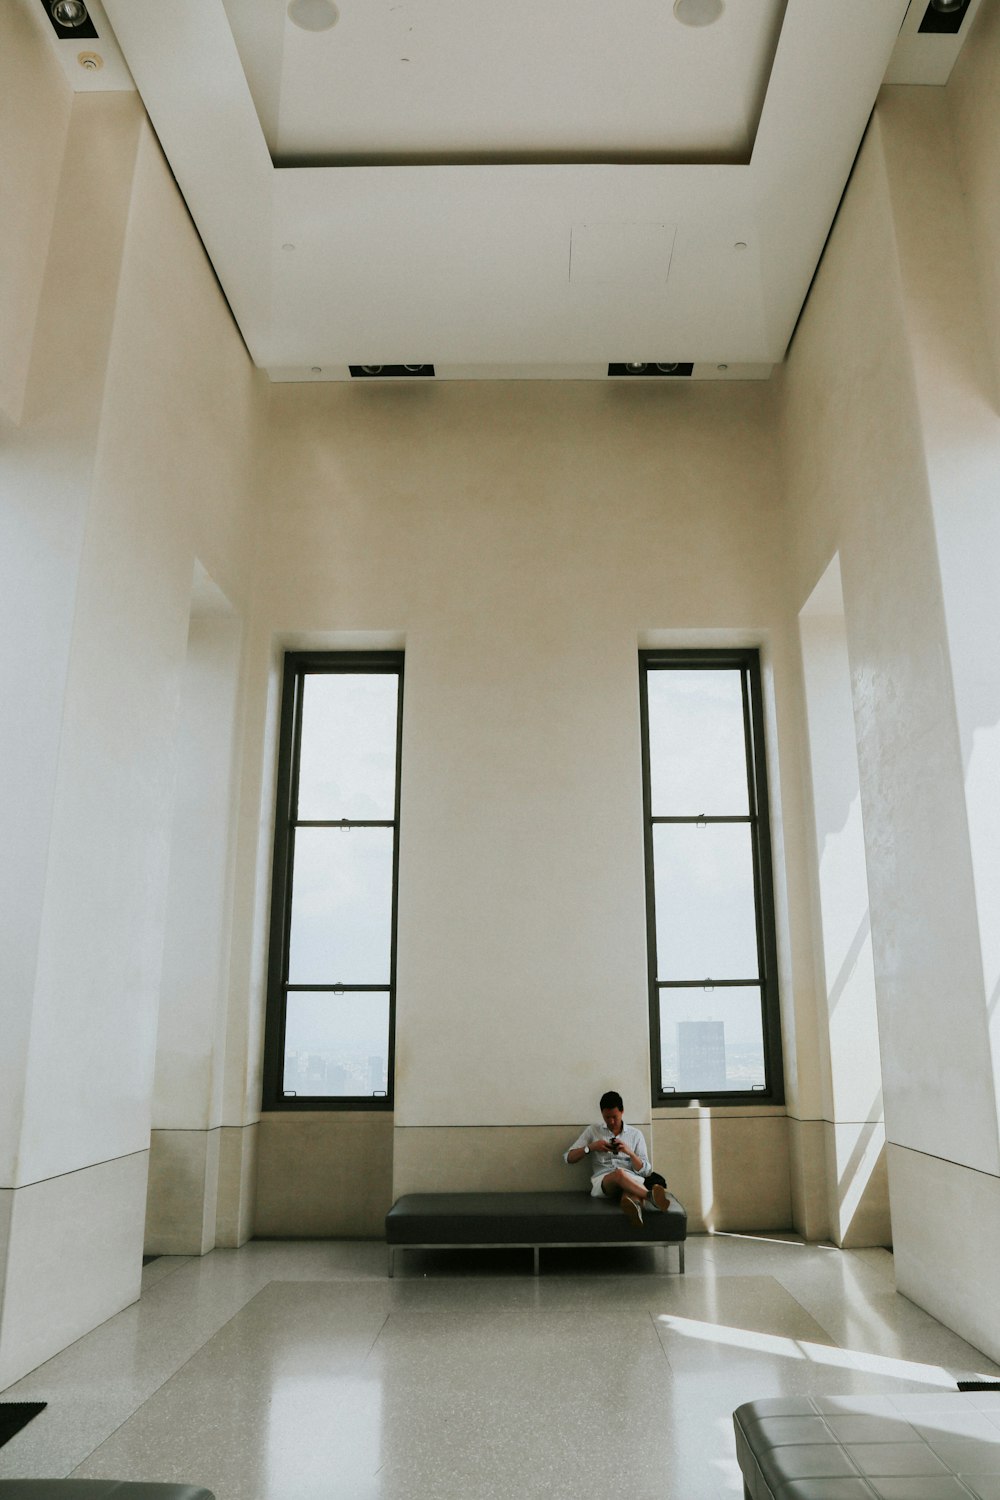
[529,190]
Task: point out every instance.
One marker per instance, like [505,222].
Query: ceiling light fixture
[659,371]
[947,6]
[70,13]
[392,372]
[698,12]
[313,15]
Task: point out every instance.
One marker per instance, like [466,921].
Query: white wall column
[890,436]
[70,1166]
[186,1195]
[852,1127]
[131,452]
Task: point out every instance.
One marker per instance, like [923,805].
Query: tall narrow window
[332,961]
[714,1021]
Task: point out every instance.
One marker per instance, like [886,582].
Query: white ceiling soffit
[469,265]
[408,82]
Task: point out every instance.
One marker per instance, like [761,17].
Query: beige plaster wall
[323,1175]
[521,542]
[730,1166]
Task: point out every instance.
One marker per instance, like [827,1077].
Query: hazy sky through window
[341,920]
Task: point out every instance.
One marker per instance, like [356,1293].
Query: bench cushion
[524,1219]
[905,1447]
[98,1489]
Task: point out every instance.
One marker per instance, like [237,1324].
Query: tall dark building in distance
[701,1055]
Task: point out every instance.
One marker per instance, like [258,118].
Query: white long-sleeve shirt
[602,1162]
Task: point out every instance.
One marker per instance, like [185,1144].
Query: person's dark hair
[611,1100]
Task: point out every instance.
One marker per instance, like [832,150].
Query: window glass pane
[697,752]
[336,1044]
[705,915]
[711,1040]
[341,906]
[347,767]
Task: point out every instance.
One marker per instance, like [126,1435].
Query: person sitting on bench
[608,1146]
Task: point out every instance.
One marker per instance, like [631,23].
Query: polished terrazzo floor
[297,1371]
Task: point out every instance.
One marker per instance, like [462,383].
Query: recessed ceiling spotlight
[392,372]
[698,12]
[635,370]
[947,6]
[68,12]
[313,15]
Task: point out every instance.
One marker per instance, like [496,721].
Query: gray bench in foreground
[938,1445]
[452,1221]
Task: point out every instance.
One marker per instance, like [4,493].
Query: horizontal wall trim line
[823,1120]
[197,1129]
[574,1125]
[73,1172]
[688,1117]
[962,1166]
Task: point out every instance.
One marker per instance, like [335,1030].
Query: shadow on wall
[849,964]
[862,1188]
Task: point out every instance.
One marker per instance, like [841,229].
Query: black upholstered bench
[934,1445]
[451,1221]
[98,1489]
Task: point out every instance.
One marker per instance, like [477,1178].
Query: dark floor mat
[17,1414]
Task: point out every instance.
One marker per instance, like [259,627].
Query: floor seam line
[375,1340]
[157,1389]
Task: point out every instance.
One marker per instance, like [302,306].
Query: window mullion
[745,1024]
[333,750]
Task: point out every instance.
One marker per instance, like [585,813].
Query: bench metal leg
[534,1252]
[664,1252]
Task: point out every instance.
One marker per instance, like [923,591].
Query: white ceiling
[570,80]
[523,191]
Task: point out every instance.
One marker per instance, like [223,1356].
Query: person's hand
[600,1145]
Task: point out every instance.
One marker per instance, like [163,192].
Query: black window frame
[747,661]
[297,665]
